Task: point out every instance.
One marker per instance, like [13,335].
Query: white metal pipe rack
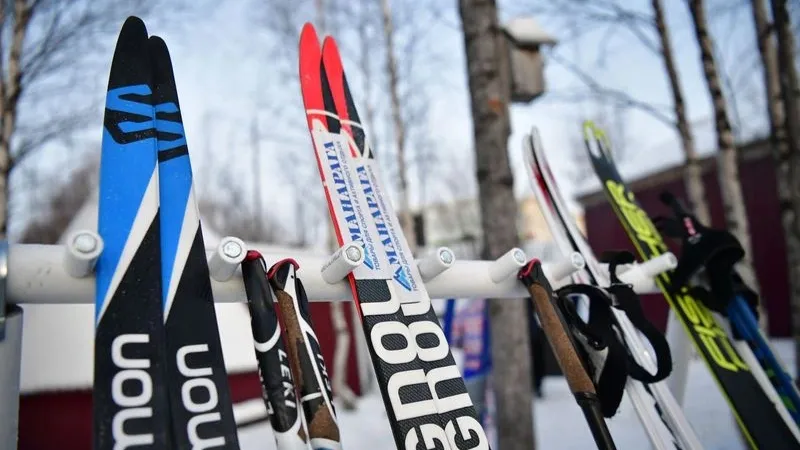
[38,274]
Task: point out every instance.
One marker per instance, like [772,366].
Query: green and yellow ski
[758,416]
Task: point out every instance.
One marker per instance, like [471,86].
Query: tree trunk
[255,140]
[406,220]
[789,155]
[727,161]
[489,86]
[10,91]
[692,172]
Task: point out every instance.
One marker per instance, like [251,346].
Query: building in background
[457,225]
[57,354]
[58,358]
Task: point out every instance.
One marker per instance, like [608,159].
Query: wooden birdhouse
[525,40]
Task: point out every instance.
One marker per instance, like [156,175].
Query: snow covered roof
[58,340]
[58,345]
[526,32]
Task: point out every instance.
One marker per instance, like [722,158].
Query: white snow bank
[559,422]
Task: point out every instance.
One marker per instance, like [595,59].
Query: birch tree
[399,125]
[785,118]
[642,27]
[488,75]
[727,158]
[786,160]
[692,172]
[45,46]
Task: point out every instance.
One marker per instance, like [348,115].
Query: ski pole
[305,356]
[532,276]
[277,384]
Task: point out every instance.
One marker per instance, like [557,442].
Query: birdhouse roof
[526,32]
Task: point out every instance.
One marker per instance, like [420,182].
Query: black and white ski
[659,412]
[202,414]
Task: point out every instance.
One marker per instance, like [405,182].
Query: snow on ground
[559,422]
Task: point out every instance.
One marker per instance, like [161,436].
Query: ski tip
[130,64]
[162,67]
[308,37]
[329,46]
[155,42]
[331,58]
[310,71]
[134,24]
[534,133]
[310,56]
[131,37]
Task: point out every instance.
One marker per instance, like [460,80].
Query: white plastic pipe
[81,252]
[564,268]
[642,275]
[342,262]
[37,274]
[226,258]
[435,263]
[507,265]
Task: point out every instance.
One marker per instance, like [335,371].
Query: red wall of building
[323,326]
[63,419]
[769,249]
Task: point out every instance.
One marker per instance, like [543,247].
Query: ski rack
[64,274]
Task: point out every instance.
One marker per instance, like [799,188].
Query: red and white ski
[424,394]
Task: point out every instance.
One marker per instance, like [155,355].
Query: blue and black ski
[200,401]
[130,400]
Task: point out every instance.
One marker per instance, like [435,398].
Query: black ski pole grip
[579,382]
[532,276]
[319,419]
[294,340]
[278,387]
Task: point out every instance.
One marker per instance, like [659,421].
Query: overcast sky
[227,68]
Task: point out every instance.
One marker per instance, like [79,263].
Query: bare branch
[619,96]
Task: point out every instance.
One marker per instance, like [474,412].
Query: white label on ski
[404,271]
[346,201]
